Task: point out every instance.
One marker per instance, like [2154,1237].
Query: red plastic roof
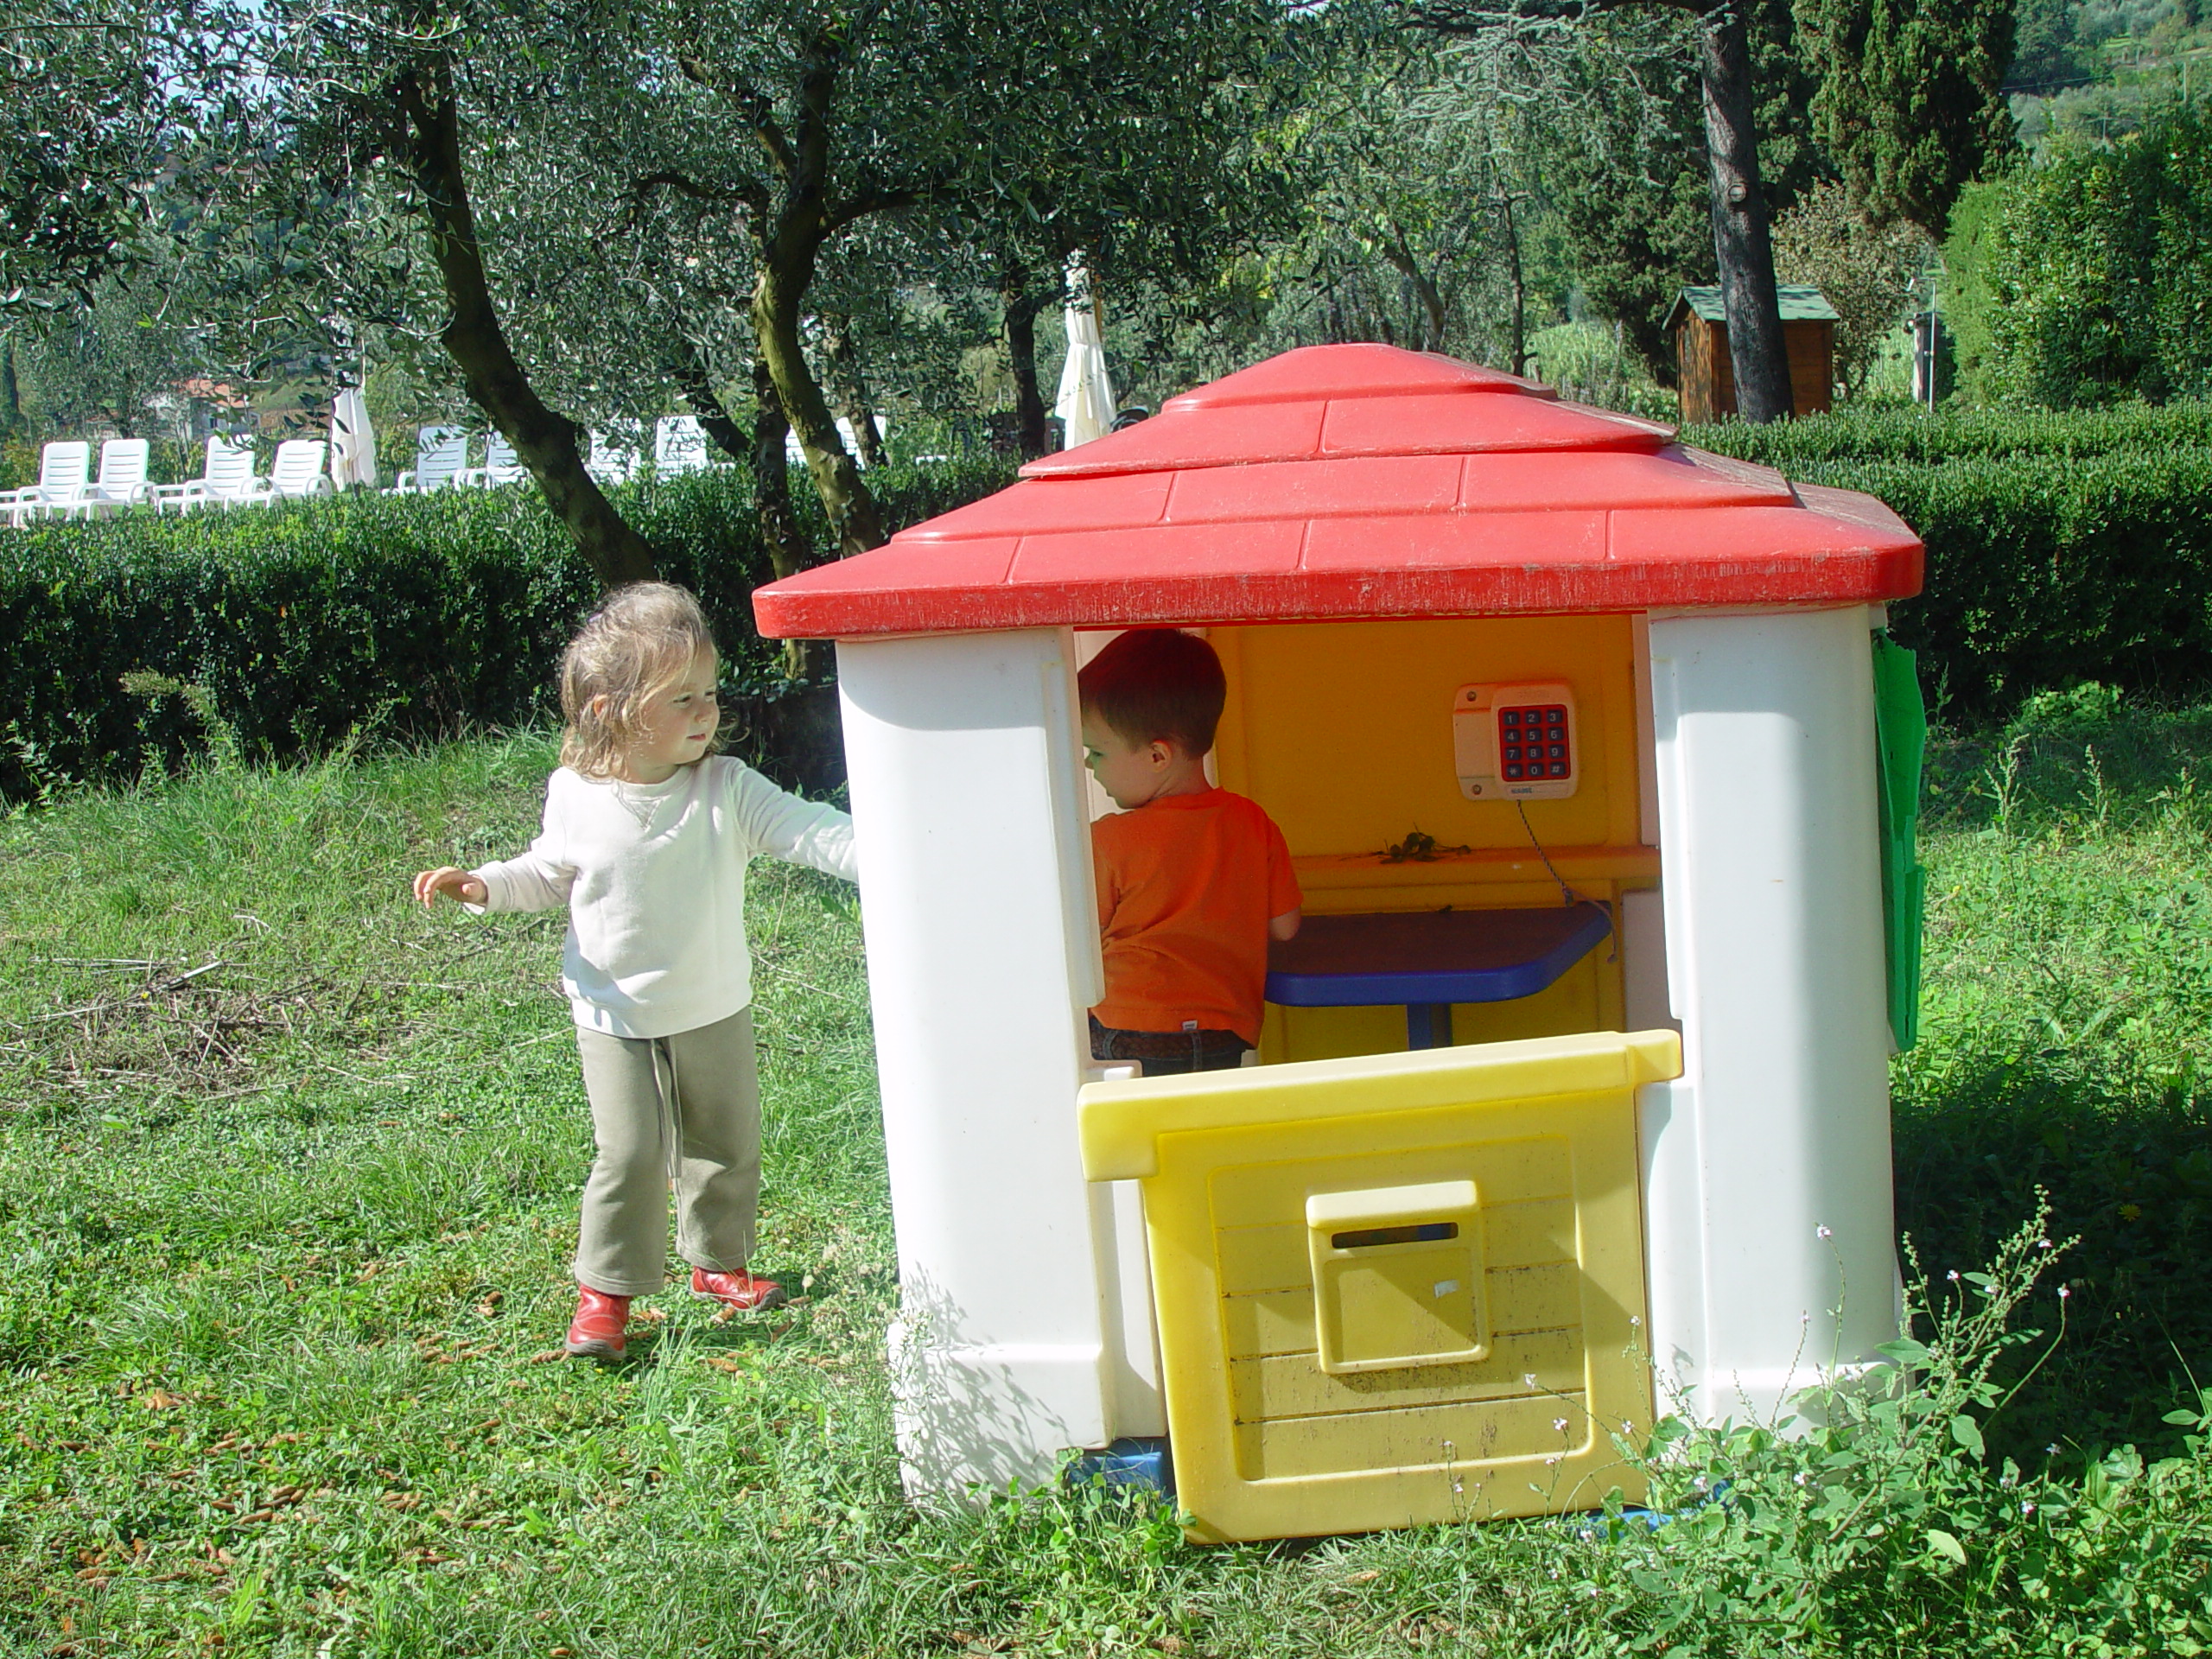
[1341,481]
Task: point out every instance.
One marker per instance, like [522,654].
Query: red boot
[739,1292]
[596,1332]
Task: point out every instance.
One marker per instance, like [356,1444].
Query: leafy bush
[2061,547]
[1882,1526]
[2094,269]
[305,622]
[1873,432]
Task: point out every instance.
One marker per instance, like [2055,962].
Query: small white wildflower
[1560,1423]
[2051,1450]
[2063,1293]
[1551,1462]
[1823,1232]
[2043,1243]
[2027,1509]
[1952,1275]
[1799,1478]
[1635,1320]
[1527,1379]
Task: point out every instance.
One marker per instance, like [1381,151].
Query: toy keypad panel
[1516,743]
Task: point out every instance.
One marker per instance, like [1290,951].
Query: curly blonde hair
[640,641]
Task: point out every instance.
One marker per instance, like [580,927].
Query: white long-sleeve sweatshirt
[653,877]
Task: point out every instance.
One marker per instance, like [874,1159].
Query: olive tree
[736,146]
[1537,33]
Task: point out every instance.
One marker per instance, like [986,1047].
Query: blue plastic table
[1429,959]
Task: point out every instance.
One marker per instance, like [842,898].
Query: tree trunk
[706,405]
[852,388]
[1520,278]
[854,517]
[11,398]
[544,442]
[1740,240]
[1427,328]
[790,549]
[1020,307]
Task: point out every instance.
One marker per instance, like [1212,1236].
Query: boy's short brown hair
[1157,683]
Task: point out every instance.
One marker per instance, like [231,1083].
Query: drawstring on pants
[671,1111]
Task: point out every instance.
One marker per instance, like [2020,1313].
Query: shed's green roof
[1800,302]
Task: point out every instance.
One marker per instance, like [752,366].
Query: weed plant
[287,1183]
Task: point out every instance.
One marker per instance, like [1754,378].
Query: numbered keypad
[1533,742]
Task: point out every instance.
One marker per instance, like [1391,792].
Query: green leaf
[1905,1352]
[1943,1544]
[1968,1433]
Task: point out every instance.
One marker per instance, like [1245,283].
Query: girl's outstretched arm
[454,884]
[778,823]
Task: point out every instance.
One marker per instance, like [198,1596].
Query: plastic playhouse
[1597,769]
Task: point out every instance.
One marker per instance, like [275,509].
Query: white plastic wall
[1767,1165]
[983,954]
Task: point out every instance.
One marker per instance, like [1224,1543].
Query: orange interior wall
[1343,732]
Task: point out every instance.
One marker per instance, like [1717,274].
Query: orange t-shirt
[1186,885]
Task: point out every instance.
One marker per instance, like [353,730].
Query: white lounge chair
[499,466]
[441,457]
[611,462]
[64,475]
[226,480]
[122,482]
[679,445]
[298,472]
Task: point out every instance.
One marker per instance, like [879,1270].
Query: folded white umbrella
[353,442]
[1085,406]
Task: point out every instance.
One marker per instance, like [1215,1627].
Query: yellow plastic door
[1395,1288]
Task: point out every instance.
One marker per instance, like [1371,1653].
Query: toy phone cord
[1568,895]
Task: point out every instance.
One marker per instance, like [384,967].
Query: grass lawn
[287,1184]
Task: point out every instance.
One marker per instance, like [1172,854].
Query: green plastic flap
[1901,734]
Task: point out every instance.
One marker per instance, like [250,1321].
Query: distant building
[199,408]
[1700,325]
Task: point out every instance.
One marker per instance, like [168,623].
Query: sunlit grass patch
[284,1246]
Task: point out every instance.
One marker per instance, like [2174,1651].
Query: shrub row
[2062,547]
[406,615]
[2045,571]
[1873,432]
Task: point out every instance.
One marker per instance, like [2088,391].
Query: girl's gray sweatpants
[681,1111]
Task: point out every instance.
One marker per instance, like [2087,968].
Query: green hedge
[2062,548]
[408,615]
[1874,432]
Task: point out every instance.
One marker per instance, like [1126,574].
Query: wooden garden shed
[1699,326]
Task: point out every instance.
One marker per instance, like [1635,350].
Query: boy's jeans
[683,1111]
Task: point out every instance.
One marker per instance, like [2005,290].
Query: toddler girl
[646,835]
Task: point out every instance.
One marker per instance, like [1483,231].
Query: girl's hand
[454,884]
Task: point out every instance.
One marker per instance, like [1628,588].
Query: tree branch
[544,442]
[835,219]
[758,113]
[645,185]
[1467,17]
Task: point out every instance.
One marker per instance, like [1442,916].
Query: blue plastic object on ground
[1135,1461]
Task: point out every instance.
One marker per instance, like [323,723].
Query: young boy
[1193,881]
